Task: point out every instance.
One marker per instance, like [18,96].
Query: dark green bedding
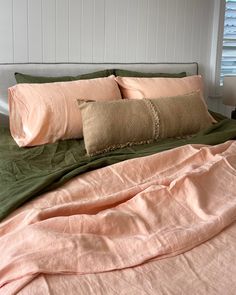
[27,172]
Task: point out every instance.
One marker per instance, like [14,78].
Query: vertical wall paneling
[35,30]
[131,43]
[179,47]
[141,50]
[62,29]
[188,28]
[121,29]
[6,31]
[171,30]
[207,12]
[20,31]
[75,21]
[48,30]
[87,30]
[195,38]
[201,28]
[106,30]
[151,30]
[98,31]
[161,36]
[110,31]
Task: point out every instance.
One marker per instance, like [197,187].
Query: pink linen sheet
[127,215]
[207,269]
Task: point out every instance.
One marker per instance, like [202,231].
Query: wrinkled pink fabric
[122,215]
[207,269]
[47,112]
[138,88]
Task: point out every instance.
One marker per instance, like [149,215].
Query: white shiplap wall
[107,31]
[104,30]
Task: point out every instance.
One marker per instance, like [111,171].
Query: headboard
[7,71]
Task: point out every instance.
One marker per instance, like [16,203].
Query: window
[228,61]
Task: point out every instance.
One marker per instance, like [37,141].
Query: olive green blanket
[27,172]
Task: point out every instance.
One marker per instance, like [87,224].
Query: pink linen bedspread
[121,217]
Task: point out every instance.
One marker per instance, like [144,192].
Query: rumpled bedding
[121,221]
[26,173]
[207,269]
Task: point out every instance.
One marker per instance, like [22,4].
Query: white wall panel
[48,30]
[6,31]
[161,37]
[188,29]
[87,30]
[98,30]
[180,24]
[132,31]
[105,30]
[121,29]
[35,31]
[110,31]
[196,30]
[62,30]
[75,31]
[20,31]
[171,30]
[141,49]
[151,30]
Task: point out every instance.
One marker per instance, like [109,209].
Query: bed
[157,217]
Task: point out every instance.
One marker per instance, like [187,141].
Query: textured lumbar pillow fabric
[116,124]
[155,87]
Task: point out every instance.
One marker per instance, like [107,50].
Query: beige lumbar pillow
[115,124]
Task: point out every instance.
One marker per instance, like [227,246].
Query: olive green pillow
[116,124]
[127,73]
[24,78]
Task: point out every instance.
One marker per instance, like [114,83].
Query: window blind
[228,61]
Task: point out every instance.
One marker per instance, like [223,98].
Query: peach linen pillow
[45,113]
[139,88]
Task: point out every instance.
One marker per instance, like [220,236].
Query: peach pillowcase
[45,113]
[138,88]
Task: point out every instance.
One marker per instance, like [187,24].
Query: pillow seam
[154,111]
